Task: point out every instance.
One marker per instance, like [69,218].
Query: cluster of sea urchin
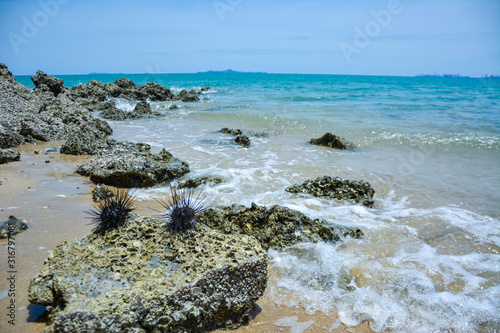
[112,211]
[183,209]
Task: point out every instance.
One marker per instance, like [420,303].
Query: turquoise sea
[430,147]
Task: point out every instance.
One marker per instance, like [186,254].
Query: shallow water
[430,148]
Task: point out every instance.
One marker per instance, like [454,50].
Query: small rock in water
[333,141]
[242,140]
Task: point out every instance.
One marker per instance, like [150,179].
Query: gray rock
[11,227]
[92,145]
[101,192]
[143,110]
[276,227]
[231,131]
[156,92]
[113,89]
[188,96]
[9,155]
[195,182]
[126,169]
[125,83]
[337,188]
[333,141]
[110,111]
[45,82]
[141,277]
[242,140]
[88,94]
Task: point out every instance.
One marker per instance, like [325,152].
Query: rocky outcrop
[188,96]
[231,131]
[141,277]
[333,141]
[88,94]
[156,92]
[195,182]
[337,188]
[133,169]
[143,110]
[11,227]
[91,145]
[44,114]
[275,227]
[9,155]
[45,82]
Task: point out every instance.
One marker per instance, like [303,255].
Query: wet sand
[44,190]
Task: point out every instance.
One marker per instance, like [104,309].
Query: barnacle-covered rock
[333,141]
[195,182]
[275,227]
[337,188]
[242,140]
[11,227]
[101,192]
[123,168]
[141,277]
[9,155]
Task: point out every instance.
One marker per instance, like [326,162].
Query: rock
[4,71]
[337,188]
[333,141]
[195,182]
[173,107]
[9,138]
[156,92]
[101,192]
[110,111]
[242,140]
[125,83]
[88,94]
[9,155]
[186,96]
[58,121]
[113,89]
[126,169]
[143,110]
[11,227]
[231,131]
[205,89]
[45,82]
[91,145]
[141,277]
[275,227]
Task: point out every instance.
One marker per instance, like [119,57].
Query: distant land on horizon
[230,71]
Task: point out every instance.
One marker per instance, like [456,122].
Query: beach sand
[53,199]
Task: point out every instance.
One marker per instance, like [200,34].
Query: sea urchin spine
[183,209]
[112,211]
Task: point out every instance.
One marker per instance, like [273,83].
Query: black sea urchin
[183,209]
[111,211]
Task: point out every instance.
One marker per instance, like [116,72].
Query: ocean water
[430,147]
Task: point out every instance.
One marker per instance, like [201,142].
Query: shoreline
[53,199]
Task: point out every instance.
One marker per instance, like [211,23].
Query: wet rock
[188,96]
[46,82]
[205,89]
[101,192]
[143,110]
[110,111]
[275,227]
[333,141]
[11,227]
[231,131]
[127,169]
[242,140]
[156,92]
[195,182]
[141,277]
[173,107]
[92,145]
[337,188]
[9,155]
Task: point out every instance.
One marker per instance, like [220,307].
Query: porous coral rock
[337,188]
[275,227]
[143,278]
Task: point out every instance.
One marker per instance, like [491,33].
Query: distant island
[230,71]
[457,76]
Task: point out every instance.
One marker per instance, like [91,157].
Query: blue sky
[362,37]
